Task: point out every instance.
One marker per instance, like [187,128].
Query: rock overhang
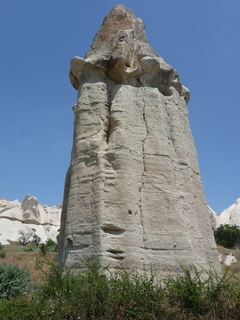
[124,56]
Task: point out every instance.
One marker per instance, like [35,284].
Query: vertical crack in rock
[107,129]
[143,163]
[174,156]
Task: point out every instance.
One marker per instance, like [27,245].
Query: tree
[14,281]
[36,240]
[25,237]
[227,236]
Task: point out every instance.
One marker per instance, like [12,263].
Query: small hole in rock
[129,211]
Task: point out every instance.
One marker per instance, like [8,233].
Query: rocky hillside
[30,216]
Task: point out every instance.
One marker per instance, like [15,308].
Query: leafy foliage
[14,281]
[50,243]
[198,292]
[90,294]
[227,236]
[2,252]
[36,240]
[49,246]
[29,249]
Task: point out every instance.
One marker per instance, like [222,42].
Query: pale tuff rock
[30,211]
[227,259]
[11,210]
[133,192]
[229,216]
[29,216]
[121,52]
[213,217]
[9,230]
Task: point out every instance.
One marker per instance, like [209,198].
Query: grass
[16,254]
[62,294]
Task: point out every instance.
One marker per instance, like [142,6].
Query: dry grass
[32,261]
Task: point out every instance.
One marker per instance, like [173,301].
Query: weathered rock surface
[29,216]
[133,192]
[213,217]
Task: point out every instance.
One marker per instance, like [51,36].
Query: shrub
[227,236]
[50,243]
[49,246]
[43,249]
[195,291]
[29,249]
[123,295]
[14,281]
[36,240]
[2,254]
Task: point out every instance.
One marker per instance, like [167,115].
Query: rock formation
[133,192]
[29,216]
[229,216]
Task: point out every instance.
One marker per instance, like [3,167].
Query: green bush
[36,240]
[50,243]
[29,249]
[121,295]
[227,236]
[49,246]
[14,281]
[198,292]
[2,254]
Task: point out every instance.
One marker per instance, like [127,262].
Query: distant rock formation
[133,192]
[29,216]
[229,216]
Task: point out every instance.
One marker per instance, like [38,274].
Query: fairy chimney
[133,193]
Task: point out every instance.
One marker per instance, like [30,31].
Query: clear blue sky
[201,39]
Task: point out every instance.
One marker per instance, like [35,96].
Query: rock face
[133,191]
[30,211]
[29,216]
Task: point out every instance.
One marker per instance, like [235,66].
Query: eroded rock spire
[133,192]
